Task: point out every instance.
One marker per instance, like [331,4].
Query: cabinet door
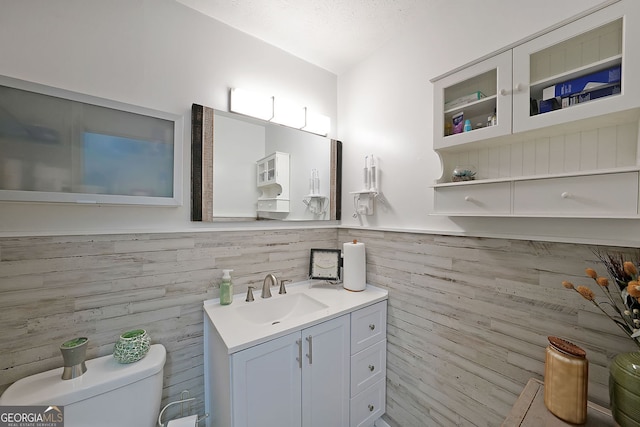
[598,42]
[325,374]
[492,78]
[266,384]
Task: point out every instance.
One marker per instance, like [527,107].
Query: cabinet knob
[468,199]
[371,368]
[372,326]
[371,408]
[517,88]
[565,195]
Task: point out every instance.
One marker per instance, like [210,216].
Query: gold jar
[566,377]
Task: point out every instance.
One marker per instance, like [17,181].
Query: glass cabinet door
[579,71]
[474,103]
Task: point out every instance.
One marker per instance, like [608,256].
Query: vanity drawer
[368,367]
[368,406]
[614,194]
[492,198]
[368,326]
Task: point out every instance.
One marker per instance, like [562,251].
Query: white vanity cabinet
[330,373]
[301,376]
[549,122]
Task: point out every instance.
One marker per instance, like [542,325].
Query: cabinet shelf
[537,86]
[537,177]
[474,106]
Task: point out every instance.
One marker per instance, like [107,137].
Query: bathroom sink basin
[244,324]
[278,308]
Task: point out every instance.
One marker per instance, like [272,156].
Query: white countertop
[238,333]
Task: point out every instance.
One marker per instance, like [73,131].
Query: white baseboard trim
[381,423]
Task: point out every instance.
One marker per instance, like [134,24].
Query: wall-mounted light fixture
[279,111]
[287,113]
[316,123]
[251,104]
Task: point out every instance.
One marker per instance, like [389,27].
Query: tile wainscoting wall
[467,324]
[56,288]
[468,321]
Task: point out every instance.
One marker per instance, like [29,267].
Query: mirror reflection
[262,170]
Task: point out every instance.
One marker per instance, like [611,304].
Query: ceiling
[332,34]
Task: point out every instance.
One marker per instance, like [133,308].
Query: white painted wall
[156,54]
[385,107]
[237,145]
[159,54]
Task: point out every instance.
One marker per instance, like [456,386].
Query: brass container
[566,379]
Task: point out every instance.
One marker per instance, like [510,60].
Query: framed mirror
[245,169]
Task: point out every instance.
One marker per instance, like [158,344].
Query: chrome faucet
[266,287]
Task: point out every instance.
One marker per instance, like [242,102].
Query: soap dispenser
[226,288]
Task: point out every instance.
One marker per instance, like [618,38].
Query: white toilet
[109,394]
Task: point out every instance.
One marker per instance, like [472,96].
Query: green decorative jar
[132,346]
[624,389]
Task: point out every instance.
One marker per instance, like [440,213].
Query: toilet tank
[109,394]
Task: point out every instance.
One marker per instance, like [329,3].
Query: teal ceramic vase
[132,346]
[624,389]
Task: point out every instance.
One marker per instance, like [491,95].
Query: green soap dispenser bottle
[226,288]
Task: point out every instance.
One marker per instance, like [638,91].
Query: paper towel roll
[190,421]
[354,266]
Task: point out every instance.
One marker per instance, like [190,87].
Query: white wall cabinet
[529,146]
[273,180]
[329,374]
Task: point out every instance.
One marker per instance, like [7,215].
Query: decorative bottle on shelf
[226,288]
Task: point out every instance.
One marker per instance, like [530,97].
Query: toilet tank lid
[103,375]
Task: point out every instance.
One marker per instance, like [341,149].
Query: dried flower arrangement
[624,302]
